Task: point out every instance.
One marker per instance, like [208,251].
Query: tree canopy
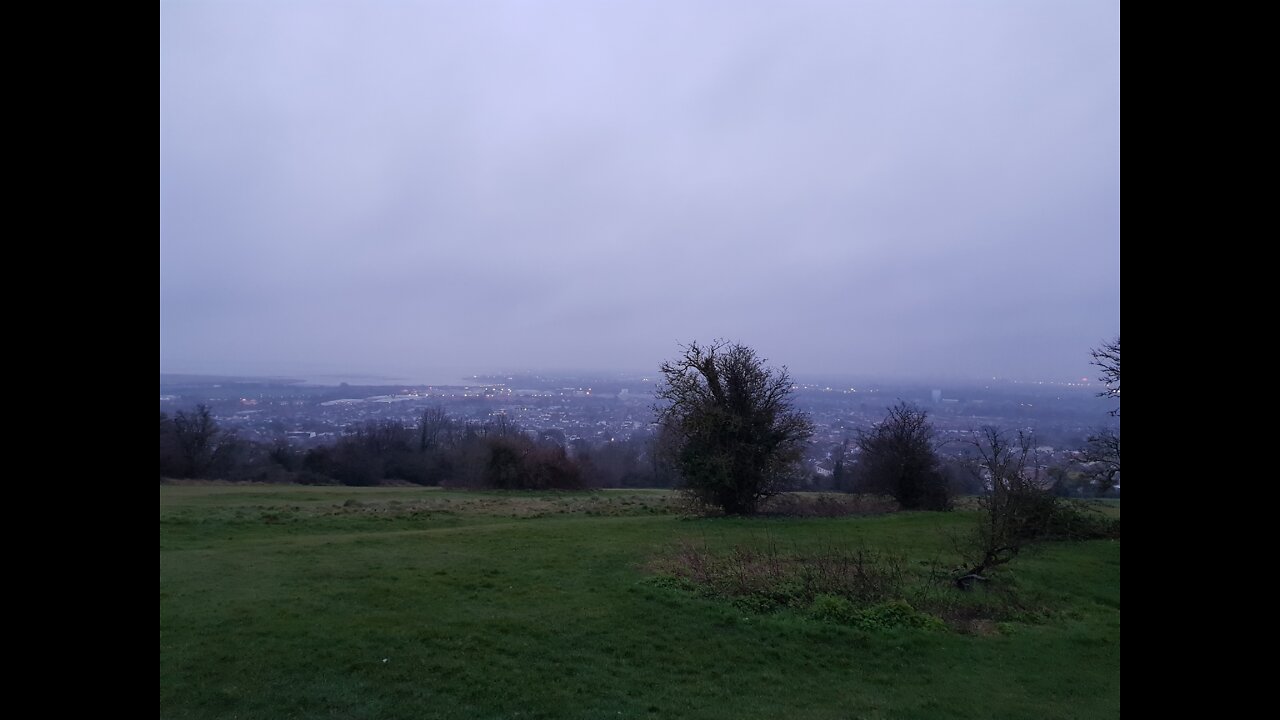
[735,437]
[897,458]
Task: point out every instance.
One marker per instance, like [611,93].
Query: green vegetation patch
[468,612]
[859,587]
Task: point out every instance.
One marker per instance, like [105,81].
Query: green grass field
[303,602]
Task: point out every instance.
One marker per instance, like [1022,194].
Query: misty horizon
[914,190]
[473,376]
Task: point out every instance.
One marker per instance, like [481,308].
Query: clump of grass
[765,580]
[863,588]
[828,505]
[880,616]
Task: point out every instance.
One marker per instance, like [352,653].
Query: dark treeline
[438,450]
[924,480]
[441,450]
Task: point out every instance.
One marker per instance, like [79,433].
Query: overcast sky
[419,189]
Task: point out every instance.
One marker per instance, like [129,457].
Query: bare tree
[202,448]
[1017,511]
[195,433]
[434,428]
[1102,453]
[1107,358]
[1101,459]
[840,473]
[736,439]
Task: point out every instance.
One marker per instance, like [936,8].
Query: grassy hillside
[295,602]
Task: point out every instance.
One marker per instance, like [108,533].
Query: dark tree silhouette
[1101,459]
[734,437]
[192,445]
[1018,510]
[1107,358]
[434,429]
[1103,449]
[897,457]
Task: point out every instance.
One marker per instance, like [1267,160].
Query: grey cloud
[906,187]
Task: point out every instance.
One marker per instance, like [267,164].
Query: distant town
[595,410]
